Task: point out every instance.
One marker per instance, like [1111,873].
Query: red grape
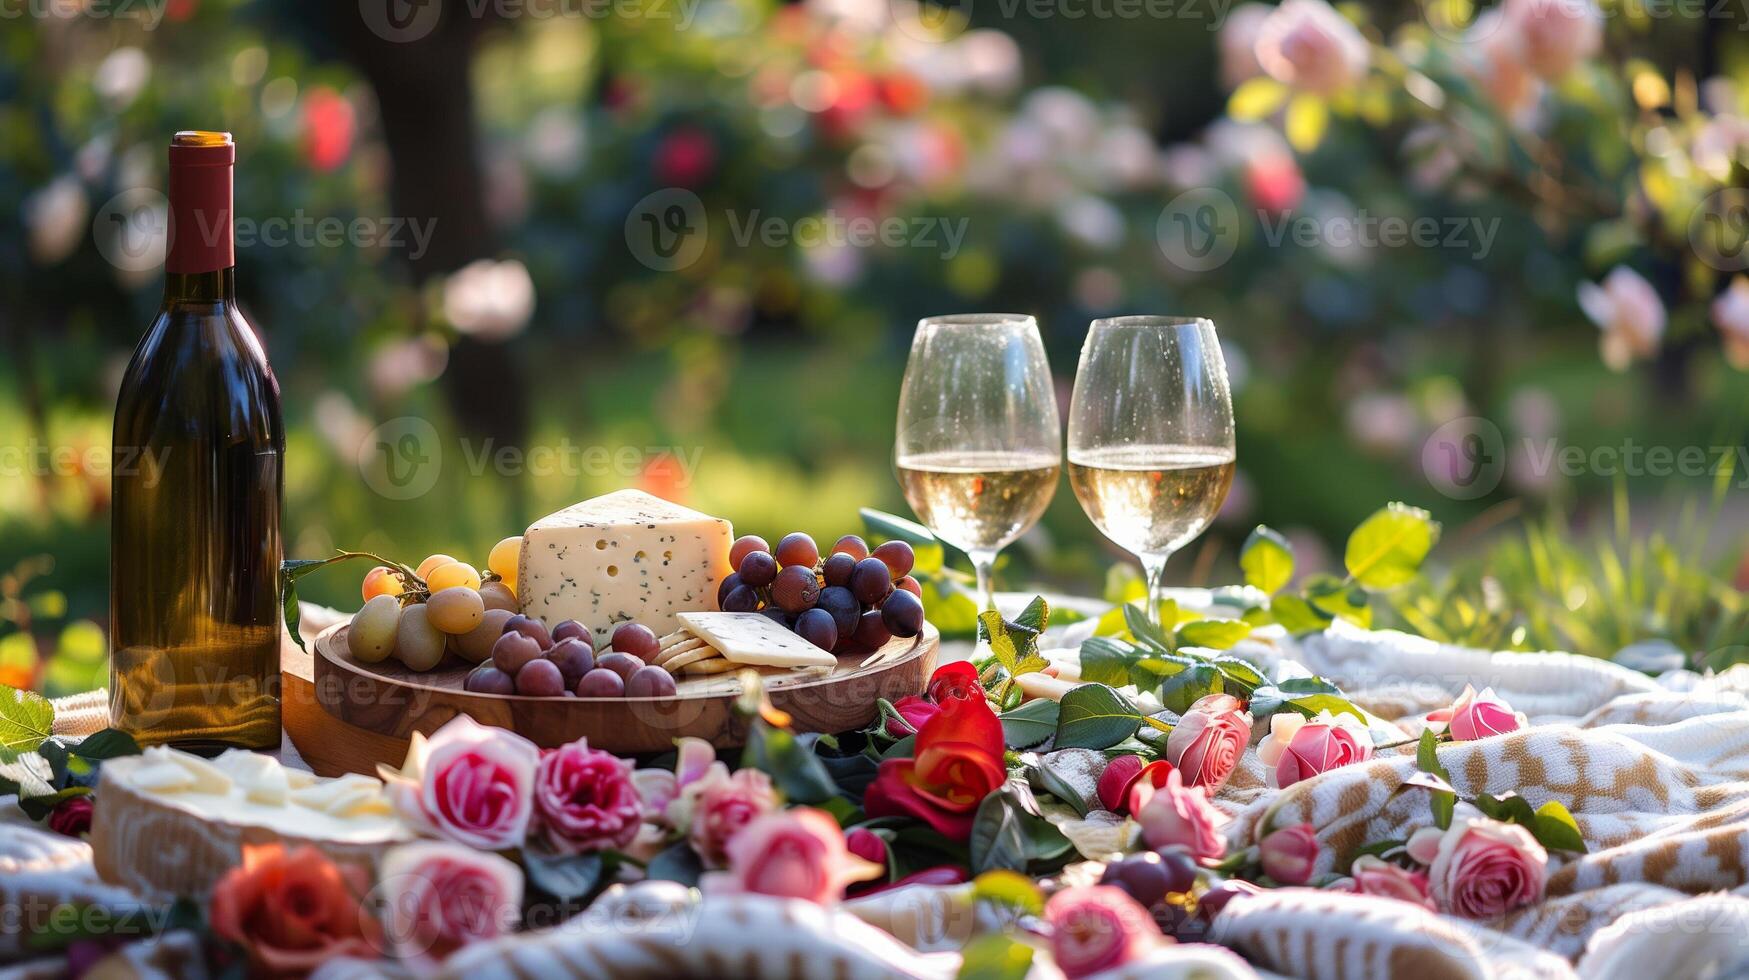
[837,569]
[898,556]
[740,599]
[570,629]
[903,614]
[540,679]
[795,589]
[530,627]
[797,548]
[837,600]
[758,569]
[636,639]
[871,632]
[851,545]
[730,581]
[910,585]
[623,664]
[871,581]
[817,627]
[650,682]
[513,651]
[573,657]
[487,679]
[745,545]
[601,683]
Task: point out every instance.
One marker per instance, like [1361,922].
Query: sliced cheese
[753,639]
[622,557]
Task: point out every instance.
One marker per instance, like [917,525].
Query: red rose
[958,762]
[954,681]
[71,816]
[292,911]
[915,712]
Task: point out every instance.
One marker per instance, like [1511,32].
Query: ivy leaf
[1215,634]
[563,876]
[995,956]
[1030,724]
[26,721]
[1095,716]
[1267,559]
[1555,828]
[1387,549]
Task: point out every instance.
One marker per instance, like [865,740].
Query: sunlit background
[444,219]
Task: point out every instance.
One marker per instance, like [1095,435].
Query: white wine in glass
[978,449]
[1151,436]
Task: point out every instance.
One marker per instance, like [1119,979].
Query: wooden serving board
[347,716]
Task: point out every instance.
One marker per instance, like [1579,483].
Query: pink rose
[1209,740]
[1372,875]
[1098,928]
[1121,776]
[723,803]
[1497,62]
[1178,814]
[915,710]
[658,790]
[1554,35]
[1628,311]
[1288,854]
[1730,313]
[469,782]
[1298,748]
[1238,43]
[797,853]
[586,799]
[1476,716]
[1307,44]
[1485,868]
[866,844]
[438,897]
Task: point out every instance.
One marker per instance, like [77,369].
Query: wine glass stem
[1154,566]
[984,562]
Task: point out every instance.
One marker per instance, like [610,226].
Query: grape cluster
[447,607]
[855,596]
[527,659]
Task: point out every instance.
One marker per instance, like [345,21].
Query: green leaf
[1030,724]
[1036,616]
[1240,674]
[995,956]
[1309,685]
[292,569]
[26,721]
[679,862]
[1146,630]
[1555,828]
[1267,559]
[1095,716]
[1010,890]
[1443,802]
[1215,634]
[563,876]
[997,839]
[1387,549]
[1181,690]
[880,524]
[39,807]
[795,769]
[1070,775]
[1014,645]
[1310,704]
[1106,661]
[1296,615]
[111,743]
[1337,598]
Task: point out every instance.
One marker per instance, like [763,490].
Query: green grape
[418,644]
[455,610]
[371,637]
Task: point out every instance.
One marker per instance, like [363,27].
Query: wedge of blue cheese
[623,557]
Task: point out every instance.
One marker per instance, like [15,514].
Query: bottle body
[195,542]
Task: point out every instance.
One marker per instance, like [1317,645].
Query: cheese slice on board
[755,640]
[622,557]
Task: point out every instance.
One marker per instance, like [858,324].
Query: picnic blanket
[1654,769]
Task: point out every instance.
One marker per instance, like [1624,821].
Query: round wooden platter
[369,711]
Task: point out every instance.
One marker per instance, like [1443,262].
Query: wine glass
[1151,435]
[978,447]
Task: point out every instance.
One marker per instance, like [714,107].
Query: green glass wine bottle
[196,488]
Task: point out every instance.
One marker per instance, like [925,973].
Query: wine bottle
[196,487]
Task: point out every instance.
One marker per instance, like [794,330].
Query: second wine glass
[1151,436]
[979,447]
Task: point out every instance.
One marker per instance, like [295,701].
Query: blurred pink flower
[1238,43]
[1098,928]
[1554,35]
[328,128]
[1370,875]
[1500,68]
[1730,310]
[1628,311]
[1178,814]
[1307,44]
[685,157]
[1289,854]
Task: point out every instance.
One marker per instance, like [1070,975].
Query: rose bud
[1476,716]
[1288,854]
[1175,814]
[1098,928]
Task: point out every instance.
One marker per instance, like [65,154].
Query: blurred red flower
[328,128]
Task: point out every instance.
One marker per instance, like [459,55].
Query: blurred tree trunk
[427,110]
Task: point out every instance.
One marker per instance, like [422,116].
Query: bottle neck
[216,286]
[201,239]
